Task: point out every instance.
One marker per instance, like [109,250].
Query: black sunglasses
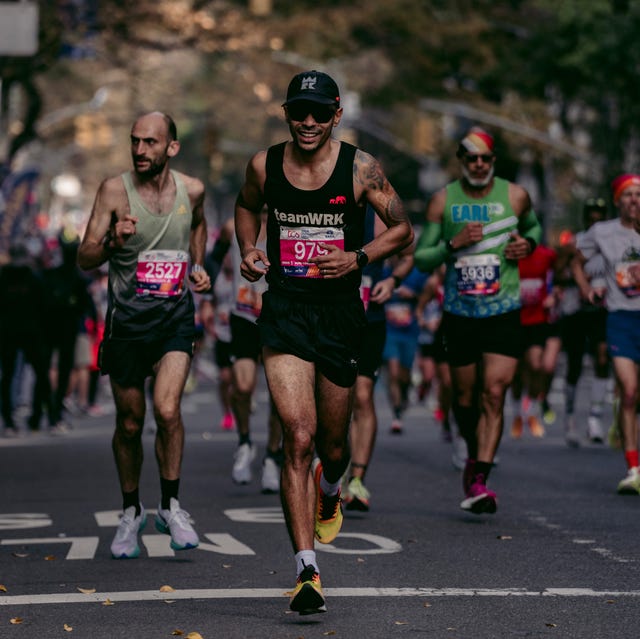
[321,113]
[474,158]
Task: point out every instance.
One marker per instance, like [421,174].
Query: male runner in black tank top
[316,190]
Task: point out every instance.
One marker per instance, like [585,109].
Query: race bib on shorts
[478,274]
[161,273]
[365,290]
[249,300]
[628,278]
[398,314]
[533,291]
[299,244]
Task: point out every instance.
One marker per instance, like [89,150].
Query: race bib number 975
[161,273]
[478,274]
[299,244]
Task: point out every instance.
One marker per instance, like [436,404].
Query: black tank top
[299,219]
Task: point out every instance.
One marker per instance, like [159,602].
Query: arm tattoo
[394,210]
[367,171]
[368,174]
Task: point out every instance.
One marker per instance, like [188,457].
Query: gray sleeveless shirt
[149,295]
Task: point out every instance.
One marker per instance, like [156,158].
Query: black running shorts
[469,338]
[372,349]
[327,334]
[245,339]
[222,354]
[129,362]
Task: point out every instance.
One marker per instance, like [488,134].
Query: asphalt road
[558,559]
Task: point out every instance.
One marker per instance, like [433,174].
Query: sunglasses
[595,203]
[321,113]
[472,159]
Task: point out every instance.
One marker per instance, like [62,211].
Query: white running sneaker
[242,458]
[270,476]
[177,523]
[630,485]
[571,432]
[125,543]
[594,429]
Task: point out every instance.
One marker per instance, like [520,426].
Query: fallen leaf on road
[194,635]
[504,537]
[16,620]
[177,633]
[3,588]
[107,602]
[167,589]
[50,558]
[329,632]
[551,625]
[401,623]
[20,555]
[67,628]
[227,566]
[86,591]
[427,604]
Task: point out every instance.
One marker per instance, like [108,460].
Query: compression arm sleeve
[430,251]
[530,228]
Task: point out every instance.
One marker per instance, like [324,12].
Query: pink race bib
[161,273]
[299,244]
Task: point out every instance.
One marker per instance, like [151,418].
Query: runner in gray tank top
[149,225]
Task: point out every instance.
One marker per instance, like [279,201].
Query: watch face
[362,258]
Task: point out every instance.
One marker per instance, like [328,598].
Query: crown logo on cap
[308,83]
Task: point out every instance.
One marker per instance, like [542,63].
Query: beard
[477,182]
[154,167]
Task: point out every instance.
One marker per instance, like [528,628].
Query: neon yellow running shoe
[307,597]
[328,511]
[356,496]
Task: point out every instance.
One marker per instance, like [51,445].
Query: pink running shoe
[479,498]
[468,475]
[228,422]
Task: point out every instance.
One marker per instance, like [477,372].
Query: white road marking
[275,593]
[20,521]
[79,547]
[604,552]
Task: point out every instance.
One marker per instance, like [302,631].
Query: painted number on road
[21,521]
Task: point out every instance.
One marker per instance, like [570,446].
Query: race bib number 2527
[161,273]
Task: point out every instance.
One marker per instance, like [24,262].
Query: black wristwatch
[362,259]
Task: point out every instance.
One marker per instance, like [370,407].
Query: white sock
[306,558]
[598,393]
[329,489]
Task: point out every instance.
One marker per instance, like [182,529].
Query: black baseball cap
[313,86]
